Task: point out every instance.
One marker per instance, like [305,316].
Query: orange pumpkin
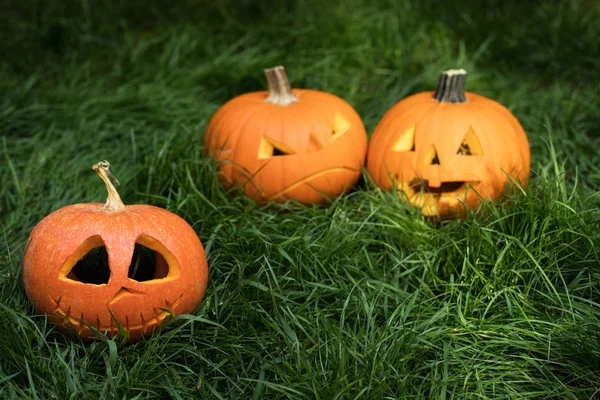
[103,265]
[285,143]
[448,149]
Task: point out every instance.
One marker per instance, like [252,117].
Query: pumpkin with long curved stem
[449,149]
[285,143]
[96,266]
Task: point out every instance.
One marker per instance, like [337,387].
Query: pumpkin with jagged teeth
[447,150]
[113,267]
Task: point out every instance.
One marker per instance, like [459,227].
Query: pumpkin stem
[113,201]
[451,86]
[280,90]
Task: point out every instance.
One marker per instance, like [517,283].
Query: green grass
[360,299]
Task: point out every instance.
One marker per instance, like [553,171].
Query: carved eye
[406,142]
[340,126]
[89,264]
[470,145]
[147,264]
[271,148]
[278,152]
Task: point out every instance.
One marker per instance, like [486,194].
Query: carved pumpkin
[94,265]
[448,150]
[298,144]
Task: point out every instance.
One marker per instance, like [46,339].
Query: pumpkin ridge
[524,153]
[233,144]
[498,120]
[222,122]
[215,126]
[430,125]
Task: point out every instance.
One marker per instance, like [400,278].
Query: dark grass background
[360,299]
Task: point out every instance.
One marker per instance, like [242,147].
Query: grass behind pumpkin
[358,299]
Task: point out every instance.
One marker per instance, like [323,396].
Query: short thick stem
[451,87]
[280,90]
[113,201]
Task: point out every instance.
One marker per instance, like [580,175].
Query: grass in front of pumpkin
[359,299]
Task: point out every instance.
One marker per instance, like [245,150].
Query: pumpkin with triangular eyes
[287,144]
[113,268]
[447,150]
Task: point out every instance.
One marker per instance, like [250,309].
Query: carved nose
[433,177]
[124,292]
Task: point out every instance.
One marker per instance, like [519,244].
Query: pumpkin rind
[316,163]
[504,153]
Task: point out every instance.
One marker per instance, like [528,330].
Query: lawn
[358,299]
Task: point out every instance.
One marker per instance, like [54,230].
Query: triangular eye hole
[147,264]
[340,126]
[277,152]
[271,148]
[470,145]
[88,264]
[152,261]
[406,141]
[92,268]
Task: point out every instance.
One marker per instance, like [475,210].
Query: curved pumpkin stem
[451,87]
[280,90]
[113,201]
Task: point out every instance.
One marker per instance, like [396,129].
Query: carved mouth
[432,199]
[307,179]
[82,323]
[420,186]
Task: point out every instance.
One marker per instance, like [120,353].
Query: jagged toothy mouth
[80,323]
[419,186]
[432,199]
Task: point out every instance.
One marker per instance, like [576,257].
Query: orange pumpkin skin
[67,234]
[448,156]
[322,141]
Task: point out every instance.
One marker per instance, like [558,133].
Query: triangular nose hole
[123,292]
[314,143]
[470,146]
[431,158]
[406,141]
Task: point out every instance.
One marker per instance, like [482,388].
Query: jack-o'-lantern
[447,150]
[285,143]
[110,267]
